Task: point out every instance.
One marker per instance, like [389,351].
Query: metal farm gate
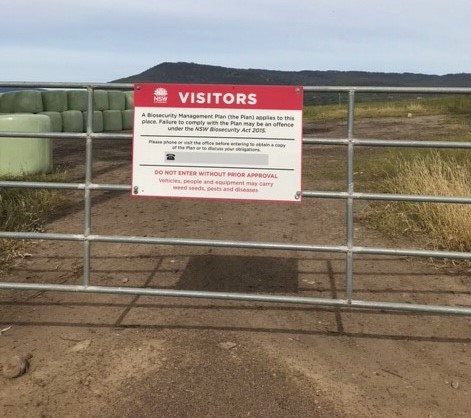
[349,195]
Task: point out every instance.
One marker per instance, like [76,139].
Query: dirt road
[125,356]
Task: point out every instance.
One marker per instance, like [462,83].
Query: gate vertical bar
[88,182]
[350,189]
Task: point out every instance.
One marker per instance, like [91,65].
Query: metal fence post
[87,191]
[350,191]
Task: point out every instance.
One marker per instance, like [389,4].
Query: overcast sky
[102,40]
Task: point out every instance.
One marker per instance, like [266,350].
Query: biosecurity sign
[217,141]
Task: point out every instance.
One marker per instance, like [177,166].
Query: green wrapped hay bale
[19,156]
[77,100]
[27,101]
[117,100]
[6,103]
[56,120]
[128,119]
[100,100]
[54,100]
[129,99]
[112,121]
[72,121]
[97,125]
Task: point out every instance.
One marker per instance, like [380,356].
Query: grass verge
[452,105]
[443,226]
[415,171]
[26,210]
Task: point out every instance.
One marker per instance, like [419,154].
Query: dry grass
[26,210]
[420,172]
[445,226]
[325,113]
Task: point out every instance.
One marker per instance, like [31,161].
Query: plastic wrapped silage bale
[72,121]
[27,101]
[77,100]
[112,121]
[97,125]
[7,102]
[117,100]
[129,99]
[100,100]
[20,156]
[54,100]
[128,119]
[56,120]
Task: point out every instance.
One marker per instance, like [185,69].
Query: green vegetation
[26,210]
[449,105]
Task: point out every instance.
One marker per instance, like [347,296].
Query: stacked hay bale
[77,100]
[76,106]
[112,118]
[100,100]
[54,103]
[27,101]
[128,112]
[97,121]
[7,101]
[67,109]
[117,100]
[55,100]
[72,121]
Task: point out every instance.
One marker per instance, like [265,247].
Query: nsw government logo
[160,95]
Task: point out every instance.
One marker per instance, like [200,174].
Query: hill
[183,72]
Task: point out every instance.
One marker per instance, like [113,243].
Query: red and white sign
[217,141]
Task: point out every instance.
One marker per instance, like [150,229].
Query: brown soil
[126,356]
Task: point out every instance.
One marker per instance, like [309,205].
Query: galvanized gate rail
[349,195]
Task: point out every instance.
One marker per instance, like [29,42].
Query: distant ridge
[183,72]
